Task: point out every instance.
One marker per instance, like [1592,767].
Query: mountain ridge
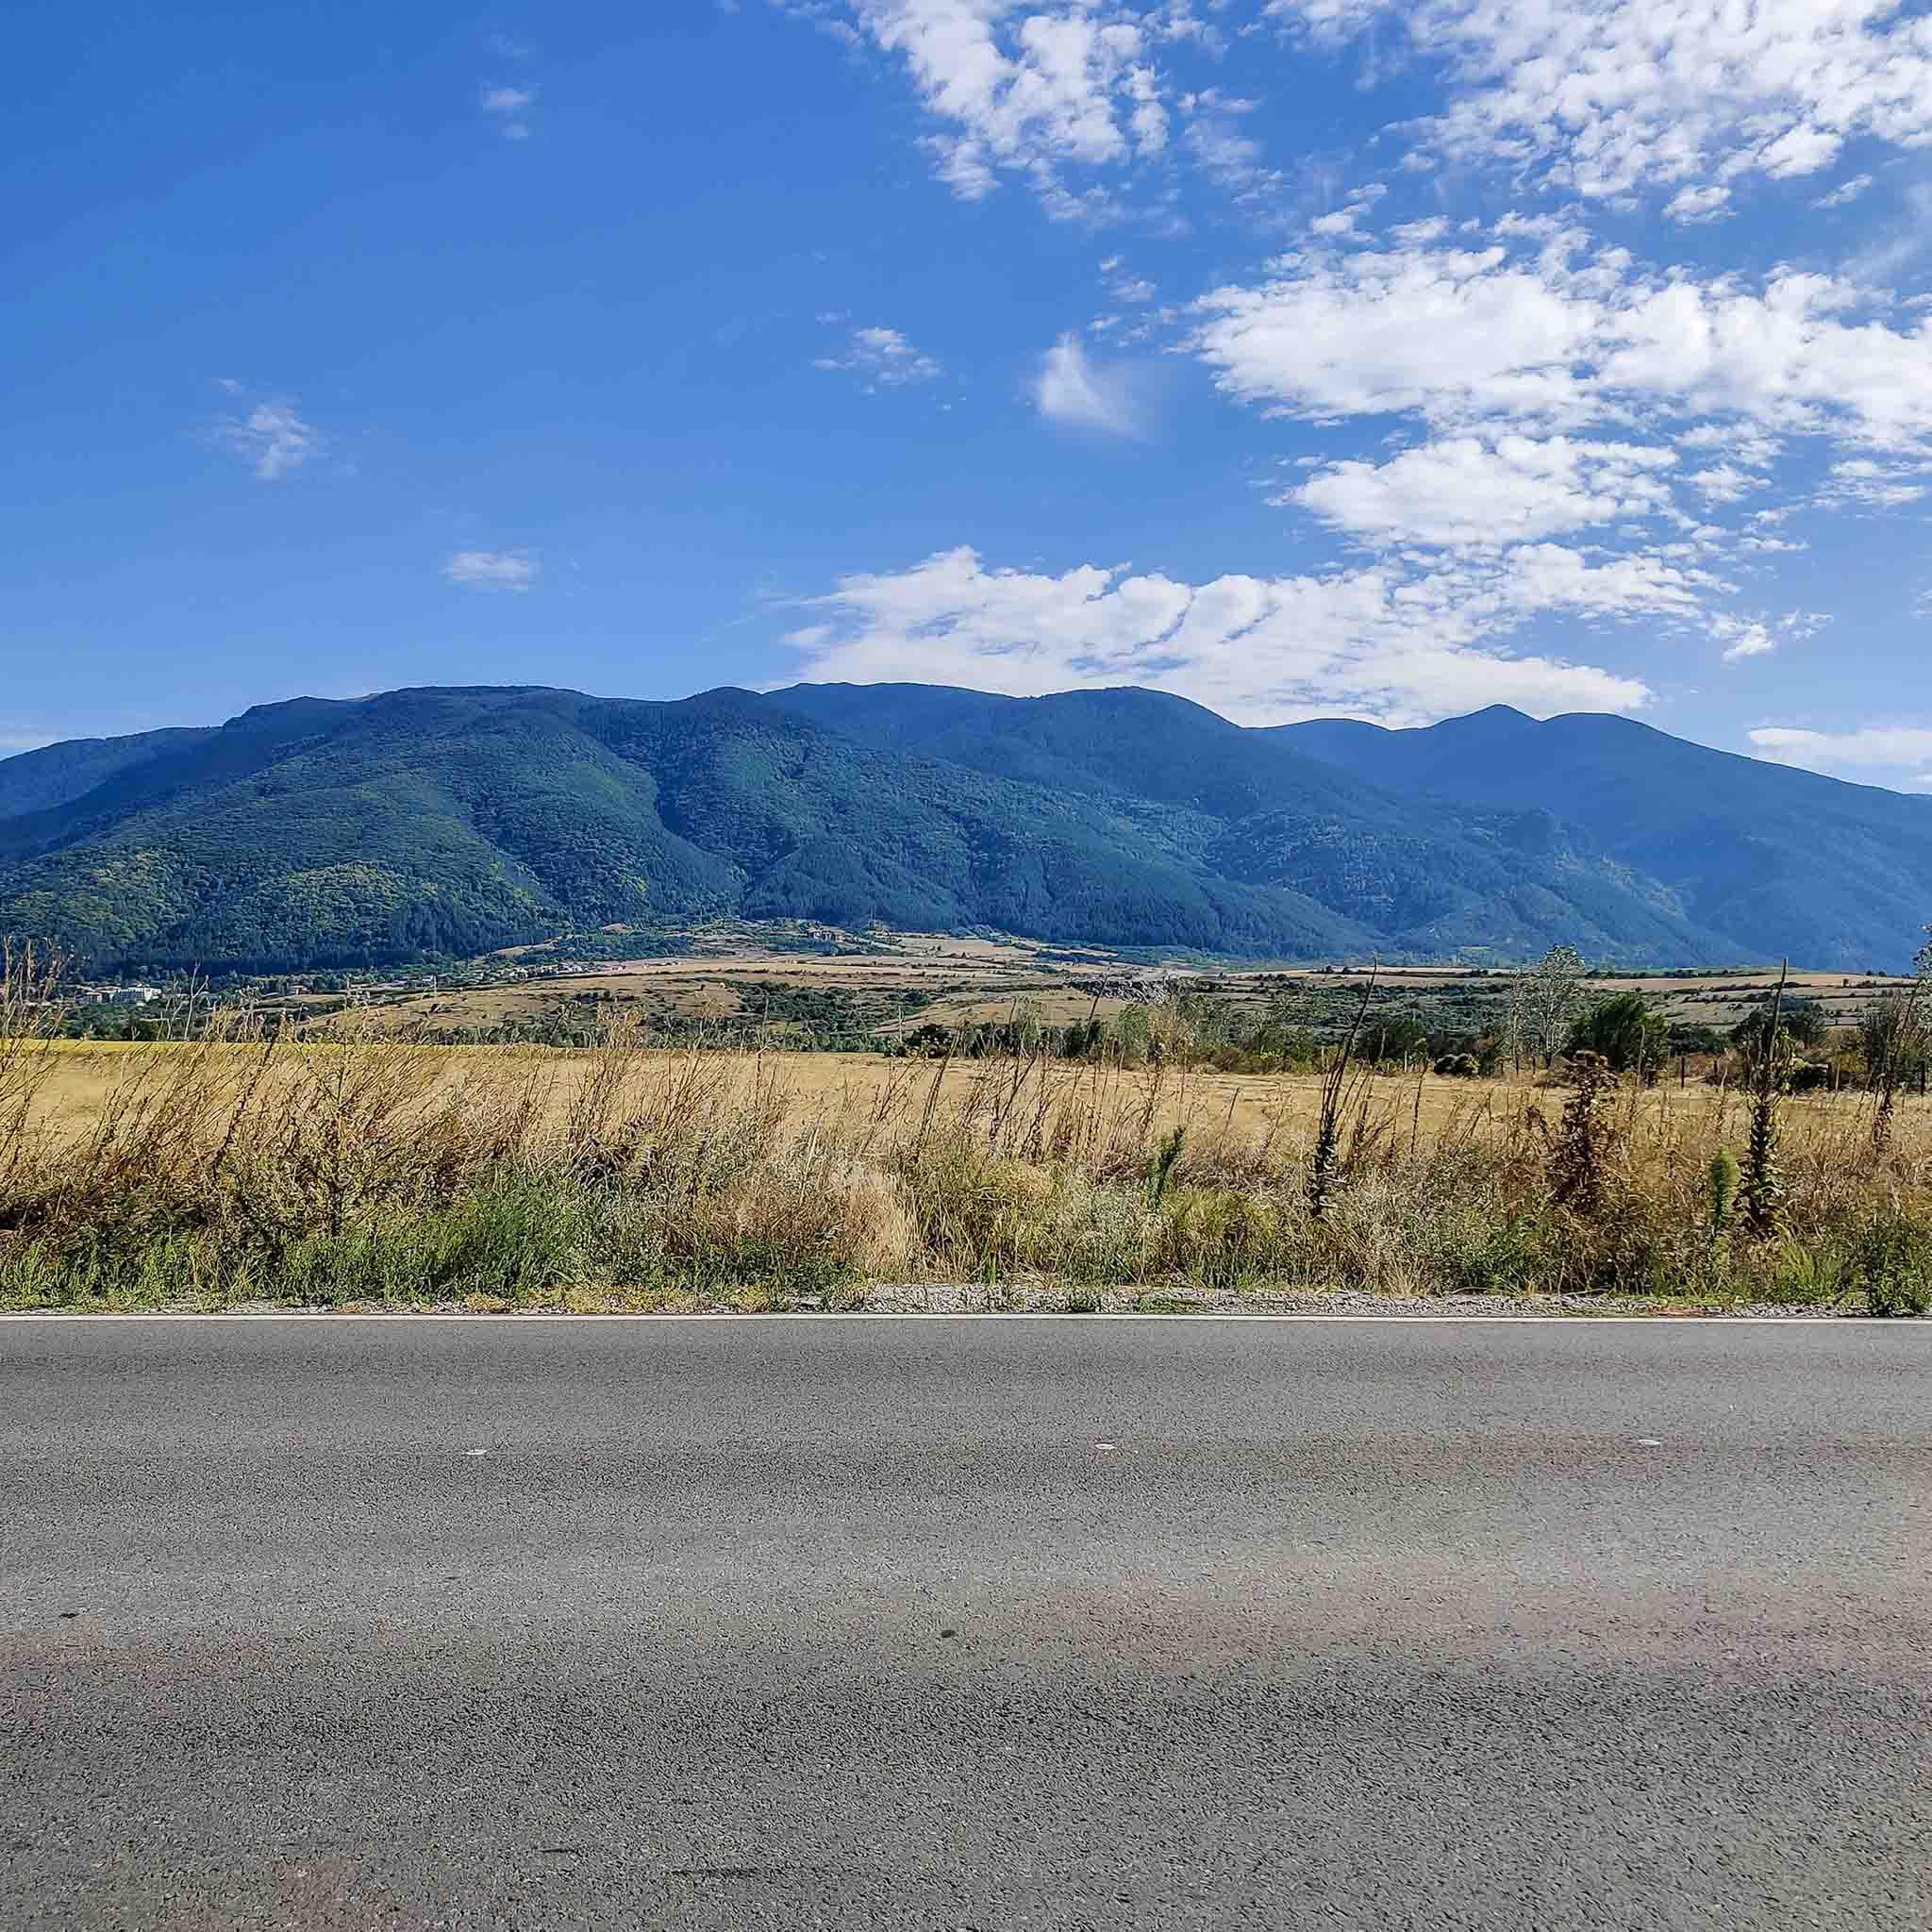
[451,819]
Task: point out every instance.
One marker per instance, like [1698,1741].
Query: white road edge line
[540,1319]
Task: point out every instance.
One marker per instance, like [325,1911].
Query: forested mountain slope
[1784,861]
[326,832]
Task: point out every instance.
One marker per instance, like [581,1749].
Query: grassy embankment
[370,1170]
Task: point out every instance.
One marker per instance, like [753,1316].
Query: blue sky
[1305,357]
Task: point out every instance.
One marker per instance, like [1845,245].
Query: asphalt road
[965,1623]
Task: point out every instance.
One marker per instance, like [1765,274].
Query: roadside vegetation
[243,1164]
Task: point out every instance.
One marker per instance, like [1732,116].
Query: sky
[1306,357]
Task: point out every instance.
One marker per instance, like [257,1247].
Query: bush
[1890,1263]
[1623,1033]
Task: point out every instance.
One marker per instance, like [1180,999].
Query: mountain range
[368,831]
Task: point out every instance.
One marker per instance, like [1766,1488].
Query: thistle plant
[1579,1157]
[1764,1192]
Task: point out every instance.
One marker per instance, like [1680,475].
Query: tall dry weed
[258,1162]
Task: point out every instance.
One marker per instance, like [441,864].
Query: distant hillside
[321,833]
[1784,862]
[58,774]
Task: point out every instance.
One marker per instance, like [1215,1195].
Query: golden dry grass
[832,1087]
[293,1166]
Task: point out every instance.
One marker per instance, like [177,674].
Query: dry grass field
[829,1090]
[373,1168]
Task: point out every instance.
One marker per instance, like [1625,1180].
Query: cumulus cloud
[1073,388]
[270,437]
[1611,97]
[1448,333]
[492,569]
[1404,647]
[1464,490]
[1725,483]
[883,359]
[1559,337]
[1709,203]
[1026,92]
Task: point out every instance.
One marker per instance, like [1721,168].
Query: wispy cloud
[1073,388]
[1871,749]
[269,436]
[509,108]
[882,359]
[493,569]
[1845,192]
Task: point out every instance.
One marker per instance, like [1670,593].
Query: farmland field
[890,984]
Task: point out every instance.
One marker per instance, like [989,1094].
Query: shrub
[1623,1032]
[1890,1263]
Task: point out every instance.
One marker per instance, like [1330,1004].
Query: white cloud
[272,438]
[1401,647]
[1724,483]
[828,16]
[1753,448]
[1872,747]
[1447,333]
[492,569]
[510,108]
[1073,388]
[1845,192]
[1862,484]
[1607,97]
[1029,92]
[1464,490]
[1742,638]
[1691,205]
[884,359]
[1459,335]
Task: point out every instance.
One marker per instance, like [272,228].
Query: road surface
[985,1623]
